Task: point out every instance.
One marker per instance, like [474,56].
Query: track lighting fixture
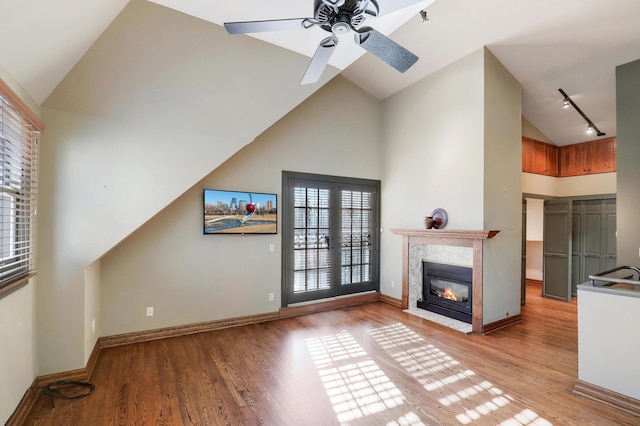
[423,14]
[591,127]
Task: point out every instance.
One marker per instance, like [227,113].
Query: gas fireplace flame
[449,294]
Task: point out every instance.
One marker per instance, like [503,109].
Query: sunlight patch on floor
[435,370]
[327,350]
[409,419]
[359,389]
[354,383]
[526,417]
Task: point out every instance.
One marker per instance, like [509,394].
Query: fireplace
[447,290]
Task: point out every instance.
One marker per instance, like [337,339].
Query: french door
[330,236]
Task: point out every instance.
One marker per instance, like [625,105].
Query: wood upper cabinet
[601,156]
[588,158]
[573,160]
[527,154]
[539,157]
[553,161]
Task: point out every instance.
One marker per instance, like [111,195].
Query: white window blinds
[18,189]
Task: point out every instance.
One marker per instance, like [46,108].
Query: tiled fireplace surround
[462,248]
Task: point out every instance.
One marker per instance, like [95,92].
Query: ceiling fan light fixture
[566,103]
[341,26]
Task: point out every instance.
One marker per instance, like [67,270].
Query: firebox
[446,290]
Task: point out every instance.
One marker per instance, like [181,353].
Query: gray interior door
[556,246]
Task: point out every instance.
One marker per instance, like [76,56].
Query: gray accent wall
[628,153]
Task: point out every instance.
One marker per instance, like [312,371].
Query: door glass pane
[312,259]
[356,236]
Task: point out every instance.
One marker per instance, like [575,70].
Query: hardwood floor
[366,365]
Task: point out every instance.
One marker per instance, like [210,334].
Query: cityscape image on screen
[237,212]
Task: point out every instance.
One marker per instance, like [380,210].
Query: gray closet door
[593,239]
[610,255]
[556,283]
[577,256]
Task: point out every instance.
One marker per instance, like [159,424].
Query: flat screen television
[238,212]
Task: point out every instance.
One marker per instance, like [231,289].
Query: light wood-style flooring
[367,365]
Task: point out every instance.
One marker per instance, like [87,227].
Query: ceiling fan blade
[265,26]
[385,49]
[389,6]
[320,60]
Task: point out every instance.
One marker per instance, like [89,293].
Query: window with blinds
[18,188]
[330,236]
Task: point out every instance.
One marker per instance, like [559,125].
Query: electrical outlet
[271,296]
[93,326]
[393,284]
[272,248]
[149,311]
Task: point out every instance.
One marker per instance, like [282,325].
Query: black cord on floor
[67,389]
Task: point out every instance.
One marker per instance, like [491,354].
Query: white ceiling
[546,44]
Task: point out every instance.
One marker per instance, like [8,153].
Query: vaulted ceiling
[546,44]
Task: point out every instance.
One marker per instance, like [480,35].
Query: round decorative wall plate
[440,218]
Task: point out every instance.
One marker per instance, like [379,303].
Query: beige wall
[189,277]
[159,101]
[453,140]
[17,319]
[18,90]
[92,309]
[17,334]
[502,189]
[531,131]
[132,127]
[433,150]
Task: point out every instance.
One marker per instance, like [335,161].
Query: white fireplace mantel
[444,237]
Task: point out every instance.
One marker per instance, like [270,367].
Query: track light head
[568,101]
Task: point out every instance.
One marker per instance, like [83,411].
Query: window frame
[19,131]
[336,184]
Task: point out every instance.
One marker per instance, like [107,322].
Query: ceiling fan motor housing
[341,16]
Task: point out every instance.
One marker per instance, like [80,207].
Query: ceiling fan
[339,17]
